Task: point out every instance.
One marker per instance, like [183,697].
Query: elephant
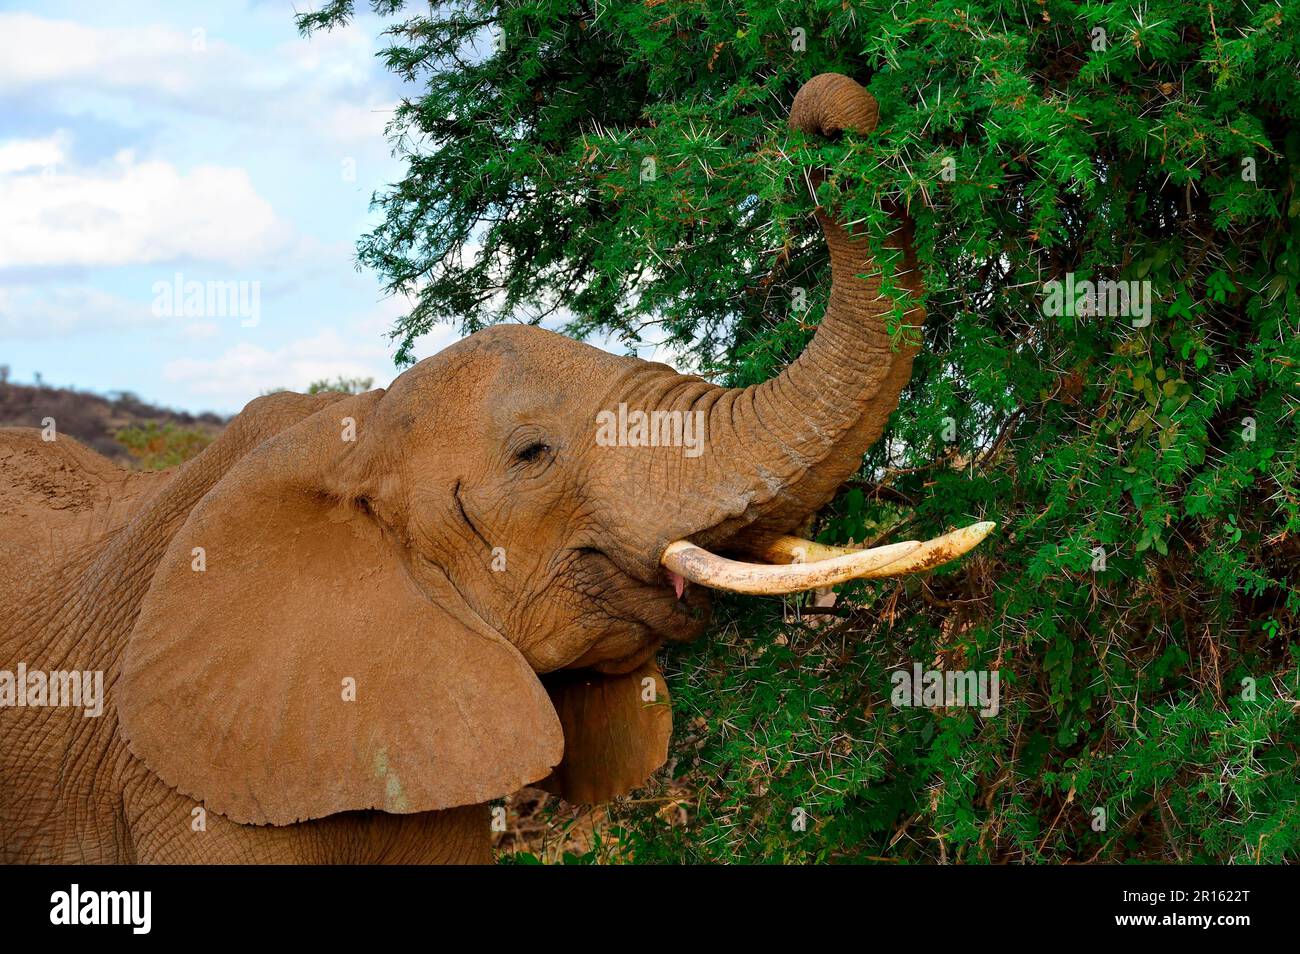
[353,621]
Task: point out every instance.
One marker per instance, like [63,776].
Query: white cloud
[377,325]
[154,56]
[26,42]
[236,376]
[28,312]
[215,134]
[351,123]
[324,86]
[201,330]
[22,154]
[241,373]
[130,212]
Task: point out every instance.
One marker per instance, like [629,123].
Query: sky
[182,186]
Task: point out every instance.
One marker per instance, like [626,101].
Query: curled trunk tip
[831,103]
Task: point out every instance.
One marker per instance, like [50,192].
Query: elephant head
[357,614]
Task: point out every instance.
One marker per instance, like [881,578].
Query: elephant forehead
[508,366]
[535,349]
[551,370]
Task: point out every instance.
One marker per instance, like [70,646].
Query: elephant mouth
[635,612]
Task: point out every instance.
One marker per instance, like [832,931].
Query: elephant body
[72,576]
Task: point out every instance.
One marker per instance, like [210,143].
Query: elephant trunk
[800,435]
[782,448]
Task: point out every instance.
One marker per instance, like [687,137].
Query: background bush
[157,446]
[1161,688]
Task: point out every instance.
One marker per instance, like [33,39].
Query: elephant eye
[532,452]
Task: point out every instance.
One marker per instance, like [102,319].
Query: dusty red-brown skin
[375,563]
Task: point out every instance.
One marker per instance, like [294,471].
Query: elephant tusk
[700,566]
[782,549]
[805,565]
[927,556]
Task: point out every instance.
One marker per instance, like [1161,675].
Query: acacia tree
[624,168]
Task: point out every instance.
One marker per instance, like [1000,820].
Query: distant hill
[92,418]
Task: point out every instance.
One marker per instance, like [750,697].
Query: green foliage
[342,385]
[157,447]
[1144,477]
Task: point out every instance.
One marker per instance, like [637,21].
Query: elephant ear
[616,731]
[286,665]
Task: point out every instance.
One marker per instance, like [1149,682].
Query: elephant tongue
[679,583]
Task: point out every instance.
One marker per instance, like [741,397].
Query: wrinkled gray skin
[490,444]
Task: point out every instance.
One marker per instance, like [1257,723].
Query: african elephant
[351,622]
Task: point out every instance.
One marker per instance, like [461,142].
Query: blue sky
[140,141]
